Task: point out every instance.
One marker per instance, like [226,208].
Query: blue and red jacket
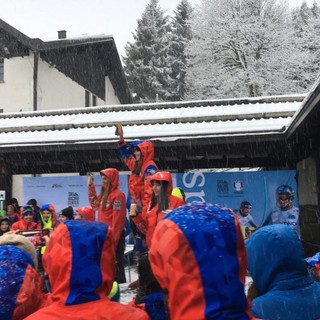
[80,262]
[20,285]
[198,257]
[139,186]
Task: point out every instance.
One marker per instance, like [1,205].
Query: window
[87,99]
[1,69]
[94,100]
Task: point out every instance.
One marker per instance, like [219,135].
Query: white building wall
[55,89]
[16,92]
[111,97]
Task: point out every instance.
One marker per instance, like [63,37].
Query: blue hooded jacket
[277,267]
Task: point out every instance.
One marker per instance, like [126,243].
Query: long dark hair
[162,200]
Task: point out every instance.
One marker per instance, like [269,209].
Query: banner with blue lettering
[271,195]
[231,188]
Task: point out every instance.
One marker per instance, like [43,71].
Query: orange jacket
[198,256]
[114,213]
[148,224]
[139,186]
[80,262]
[24,225]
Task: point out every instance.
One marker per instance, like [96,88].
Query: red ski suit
[139,186]
[114,213]
[148,224]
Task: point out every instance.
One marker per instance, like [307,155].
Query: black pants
[120,274]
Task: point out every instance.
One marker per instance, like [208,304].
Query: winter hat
[67,212]
[26,210]
[32,202]
[87,212]
[21,242]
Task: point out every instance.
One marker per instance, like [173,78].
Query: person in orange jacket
[47,217]
[198,257]
[162,201]
[85,213]
[111,206]
[26,222]
[80,263]
[138,157]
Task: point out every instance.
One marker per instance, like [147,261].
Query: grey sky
[43,18]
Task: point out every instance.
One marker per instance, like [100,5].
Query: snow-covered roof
[157,121]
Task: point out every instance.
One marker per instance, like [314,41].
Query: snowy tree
[146,58]
[242,48]
[181,35]
[307,37]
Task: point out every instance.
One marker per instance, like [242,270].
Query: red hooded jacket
[114,213]
[80,263]
[198,256]
[139,186]
[148,224]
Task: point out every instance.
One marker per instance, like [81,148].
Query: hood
[20,287]
[87,212]
[113,176]
[276,259]
[80,262]
[146,148]
[208,237]
[163,176]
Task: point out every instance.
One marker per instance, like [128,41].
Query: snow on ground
[127,295]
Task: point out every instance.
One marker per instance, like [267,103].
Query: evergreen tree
[181,35]
[307,38]
[146,60]
[242,48]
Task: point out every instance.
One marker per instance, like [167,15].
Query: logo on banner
[222,187]
[57,185]
[238,185]
[73,199]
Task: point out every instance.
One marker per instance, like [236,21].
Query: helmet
[285,197]
[87,212]
[285,189]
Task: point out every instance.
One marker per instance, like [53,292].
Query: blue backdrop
[225,188]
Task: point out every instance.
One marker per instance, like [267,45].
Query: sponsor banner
[225,188]
[63,191]
[231,188]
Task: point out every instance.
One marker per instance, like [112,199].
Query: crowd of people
[193,257]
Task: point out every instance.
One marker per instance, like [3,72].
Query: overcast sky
[43,18]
